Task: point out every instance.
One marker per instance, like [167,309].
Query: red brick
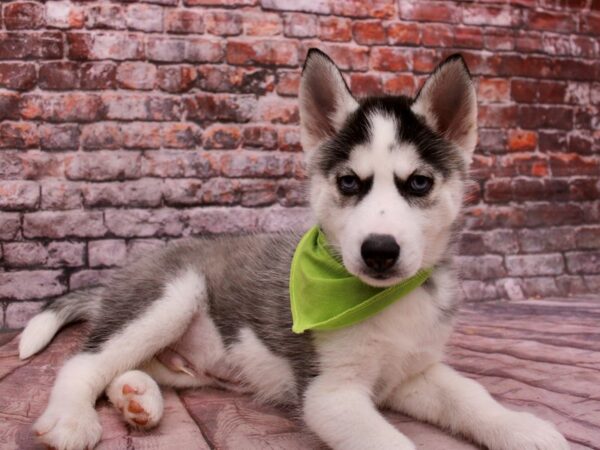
[481,267]
[262,24]
[523,164]
[9,106]
[98,46]
[262,136]
[289,140]
[468,37]
[19,45]
[234,79]
[141,135]
[583,262]
[107,253]
[477,14]
[180,135]
[572,164]
[17,76]
[546,240]
[492,140]
[98,75]
[61,224]
[135,106]
[59,76]
[103,165]
[380,9]
[300,25]
[365,84]
[176,79]
[23,15]
[390,59]
[551,21]
[498,190]
[223,23]
[400,33]
[220,2]
[68,107]
[10,225]
[277,110]
[59,137]
[400,85]
[530,117]
[221,137]
[335,29]
[180,163]
[588,237]
[64,14]
[144,17]
[144,223]
[237,108]
[143,193]
[136,75]
[257,164]
[499,39]
[106,16]
[279,53]
[430,11]
[184,21]
[369,33]
[102,135]
[497,116]
[60,194]
[346,57]
[522,140]
[24,254]
[26,285]
[493,89]
[18,135]
[292,193]
[18,194]
[288,83]
[202,50]
[438,35]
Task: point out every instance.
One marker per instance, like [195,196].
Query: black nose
[380,251]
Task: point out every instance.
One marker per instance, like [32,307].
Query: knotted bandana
[325,296]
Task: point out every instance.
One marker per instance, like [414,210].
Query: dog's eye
[419,184]
[349,184]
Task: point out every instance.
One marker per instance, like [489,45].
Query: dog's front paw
[524,431]
[69,428]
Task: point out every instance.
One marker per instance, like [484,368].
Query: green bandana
[325,296]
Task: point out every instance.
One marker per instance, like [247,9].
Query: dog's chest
[400,341]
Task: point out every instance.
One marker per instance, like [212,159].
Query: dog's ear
[325,100]
[448,103]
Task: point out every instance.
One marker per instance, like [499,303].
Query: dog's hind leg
[70,421]
[138,397]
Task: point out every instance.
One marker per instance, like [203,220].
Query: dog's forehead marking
[383,153]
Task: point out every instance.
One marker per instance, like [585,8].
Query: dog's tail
[78,305]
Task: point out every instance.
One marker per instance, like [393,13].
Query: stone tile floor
[537,355]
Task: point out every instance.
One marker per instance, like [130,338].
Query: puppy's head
[387,174]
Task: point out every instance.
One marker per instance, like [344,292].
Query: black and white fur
[221,305]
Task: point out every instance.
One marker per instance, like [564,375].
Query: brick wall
[127,124]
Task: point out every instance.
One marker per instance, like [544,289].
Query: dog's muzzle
[380,252]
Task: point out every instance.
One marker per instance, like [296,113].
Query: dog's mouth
[379,279]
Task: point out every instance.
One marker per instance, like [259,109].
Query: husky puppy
[387,178]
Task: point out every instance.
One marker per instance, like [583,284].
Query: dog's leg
[441,396]
[138,397]
[70,421]
[343,414]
